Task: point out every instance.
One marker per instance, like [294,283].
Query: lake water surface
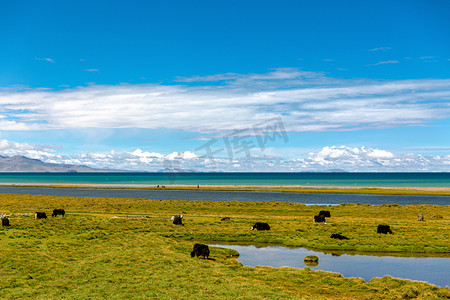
[434,270]
[229,195]
[378,179]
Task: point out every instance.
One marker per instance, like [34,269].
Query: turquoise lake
[279,179]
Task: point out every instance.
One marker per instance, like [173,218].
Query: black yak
[57,212]
[320,219]
[261,226]
[384,229]
[338,236]
[325,213]
[200,250]
[5,221]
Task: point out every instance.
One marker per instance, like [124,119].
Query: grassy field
[91,254]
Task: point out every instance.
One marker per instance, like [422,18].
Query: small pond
[434,270]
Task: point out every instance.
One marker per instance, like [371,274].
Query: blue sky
[146,85]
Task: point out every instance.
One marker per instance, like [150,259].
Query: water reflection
[434,270]
[311,263]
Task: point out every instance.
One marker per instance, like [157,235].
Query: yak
[384,229]
[325,213]
[200,250]
[40,215]
[57,212]
[5,222]
[261,226]
[177,219]
[338,236]
[320,219]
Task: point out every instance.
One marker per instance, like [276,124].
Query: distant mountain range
[24,164]
[168,170]
[335,171]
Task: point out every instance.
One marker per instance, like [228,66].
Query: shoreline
[431,191]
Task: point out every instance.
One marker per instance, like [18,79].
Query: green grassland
[90,254]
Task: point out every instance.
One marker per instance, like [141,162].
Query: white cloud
[385,62]
[353,159]
[366,159]
[381,49]
[285,76]
[41,152]
[92,70]
[45,59]
[381,154]
[307,101]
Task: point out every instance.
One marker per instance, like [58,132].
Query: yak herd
[203,250]
[37,215]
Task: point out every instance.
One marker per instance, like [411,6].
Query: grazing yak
[226,218]
[40,215]
[5,222]
[320,219]
[384,229]
[57,212]
[325,213]
[420,217]
[177,219]
[200,250]
[338,236]
[261,226]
